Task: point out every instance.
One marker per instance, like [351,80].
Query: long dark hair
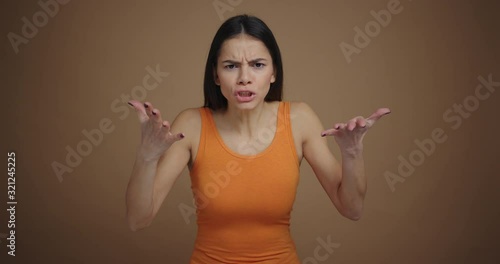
[256,28]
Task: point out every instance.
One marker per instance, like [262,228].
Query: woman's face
[244,71]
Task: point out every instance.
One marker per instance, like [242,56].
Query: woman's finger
[361,122]
[378,114]
[337,125]
[179,136]
[328,132]
[351,125]
[148,107]
[139,109]
[156,117]
[165,126]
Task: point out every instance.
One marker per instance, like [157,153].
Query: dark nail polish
[145,105]
[182,135]
[130,104]
[323,134]
[154,113]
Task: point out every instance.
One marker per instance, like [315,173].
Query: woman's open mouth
[245,96]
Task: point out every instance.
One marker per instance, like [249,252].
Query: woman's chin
[246,105]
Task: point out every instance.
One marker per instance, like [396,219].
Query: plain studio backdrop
[69,67]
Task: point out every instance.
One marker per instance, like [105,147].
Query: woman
[243,150]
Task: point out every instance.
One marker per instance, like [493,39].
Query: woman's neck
[245,122]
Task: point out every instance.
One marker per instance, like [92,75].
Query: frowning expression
[244,71]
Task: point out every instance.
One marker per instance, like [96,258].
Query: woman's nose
[244,77]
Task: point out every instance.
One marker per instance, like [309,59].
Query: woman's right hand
[156,137]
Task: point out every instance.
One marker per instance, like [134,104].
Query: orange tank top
[244,202]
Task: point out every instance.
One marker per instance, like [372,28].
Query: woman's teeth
[244,93]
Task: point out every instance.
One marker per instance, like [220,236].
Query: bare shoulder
[304,120]
[301,113]
[187,118]
[189,114]
[188,122]
[301,110]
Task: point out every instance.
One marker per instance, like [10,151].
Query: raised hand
[349,136]
[156,136]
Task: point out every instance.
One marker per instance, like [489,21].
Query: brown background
[427,59]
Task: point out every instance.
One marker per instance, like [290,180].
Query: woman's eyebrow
[252,61]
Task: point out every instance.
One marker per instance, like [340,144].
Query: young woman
[243,150]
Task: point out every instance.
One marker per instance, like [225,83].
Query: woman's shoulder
[301,109]
[302,117]
[188,122]
[190,112]
[188,118]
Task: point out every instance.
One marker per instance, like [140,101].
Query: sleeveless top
[243,203]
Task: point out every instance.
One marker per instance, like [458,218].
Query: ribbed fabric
[244,202]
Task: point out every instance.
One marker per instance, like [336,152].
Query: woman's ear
[216,78]
[273,77]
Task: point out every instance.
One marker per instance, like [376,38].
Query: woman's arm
[345,183]
[153,176]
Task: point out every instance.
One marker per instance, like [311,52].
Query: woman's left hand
[349,136]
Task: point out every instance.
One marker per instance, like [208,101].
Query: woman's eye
[230,66]
[259,65]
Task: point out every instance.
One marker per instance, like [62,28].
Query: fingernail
[145,105]
[323,134]
[130,104]
[154,113]
[182,135]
